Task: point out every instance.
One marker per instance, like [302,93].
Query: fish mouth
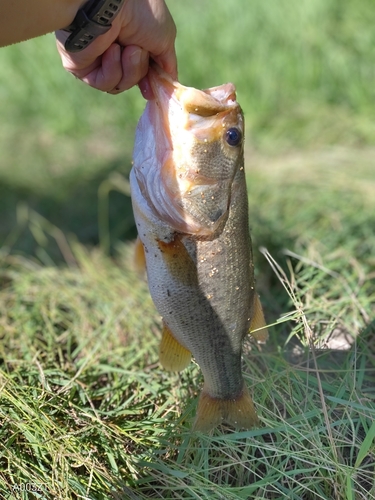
[201,103]
[178,110]
[192,190]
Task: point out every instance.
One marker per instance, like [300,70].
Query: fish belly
[203,289]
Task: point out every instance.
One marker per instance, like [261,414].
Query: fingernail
[136,56]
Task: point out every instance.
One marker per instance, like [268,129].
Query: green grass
[85,409]
[304,72]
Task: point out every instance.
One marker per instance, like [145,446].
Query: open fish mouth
[204,102]
[191,106]
[195,139]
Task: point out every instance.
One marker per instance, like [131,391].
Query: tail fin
[211,412]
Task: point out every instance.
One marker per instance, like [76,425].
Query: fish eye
[233,136]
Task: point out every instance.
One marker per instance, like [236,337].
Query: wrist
[71,9]
[93,19]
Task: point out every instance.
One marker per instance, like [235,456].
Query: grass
[304,73]
[86,411]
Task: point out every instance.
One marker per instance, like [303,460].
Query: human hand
[119,59]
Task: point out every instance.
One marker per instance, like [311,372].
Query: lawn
[85,409]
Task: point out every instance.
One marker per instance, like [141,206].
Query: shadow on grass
[73,207]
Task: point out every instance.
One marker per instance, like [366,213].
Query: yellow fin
[258,321]
[139,257]
[172,355]
[238,412]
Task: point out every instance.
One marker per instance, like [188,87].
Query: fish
[190,205]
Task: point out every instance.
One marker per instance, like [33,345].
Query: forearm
[24,19]
[116,60]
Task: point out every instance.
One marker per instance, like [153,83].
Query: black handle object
[93,19]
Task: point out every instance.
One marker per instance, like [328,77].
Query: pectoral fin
[258,322]
[139,257]
[238,412]
[181,265]
[172,355]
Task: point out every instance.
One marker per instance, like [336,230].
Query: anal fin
[238,412]
[258,324]
[172,355]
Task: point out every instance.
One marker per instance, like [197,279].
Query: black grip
[93,19]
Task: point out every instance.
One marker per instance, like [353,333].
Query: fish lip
[198,110]
[177,129]
[156,71]
[162,84]
[163,88]
[211,101]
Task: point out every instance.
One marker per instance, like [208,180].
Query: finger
[168,62]
[134,67]
[146,89]
[79,64]
[107,75]
[102,72]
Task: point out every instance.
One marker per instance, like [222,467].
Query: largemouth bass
[190,206]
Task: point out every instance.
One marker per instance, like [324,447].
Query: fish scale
[190,205]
